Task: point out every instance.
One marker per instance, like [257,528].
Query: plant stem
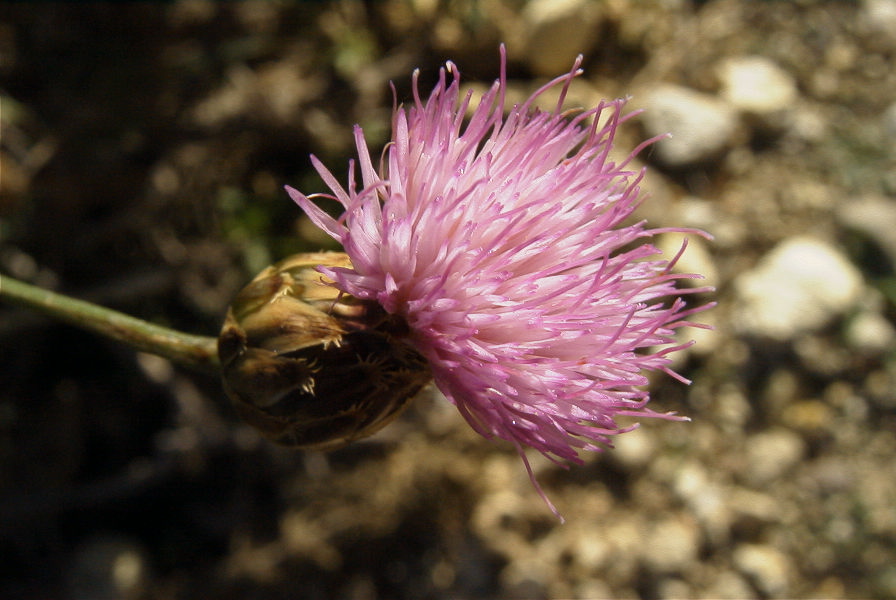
[194,351]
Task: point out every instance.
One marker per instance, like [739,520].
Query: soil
[144,152]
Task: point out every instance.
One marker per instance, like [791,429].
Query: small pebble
[767,568]
[702,126]
[801,285]
[757,85]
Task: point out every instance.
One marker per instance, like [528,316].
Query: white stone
[801,285]
[757,507]
[701,125]
[633,450]
[874,217]
[871,333]
[771,454]
[705,499]
[757,85]
[767,568]
[671,545]
[727,585]
[880,17]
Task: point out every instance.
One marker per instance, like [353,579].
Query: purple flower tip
[503,240]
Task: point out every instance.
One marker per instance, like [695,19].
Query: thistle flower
[504,244]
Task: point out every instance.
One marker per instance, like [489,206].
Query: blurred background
[143,153]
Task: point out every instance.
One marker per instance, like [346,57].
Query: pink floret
[506,245]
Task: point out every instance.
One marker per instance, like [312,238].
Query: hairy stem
[194,351]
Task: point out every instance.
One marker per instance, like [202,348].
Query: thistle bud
[311,367]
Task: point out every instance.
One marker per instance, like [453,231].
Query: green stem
[194,351]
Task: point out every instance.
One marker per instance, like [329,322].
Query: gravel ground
[144,148]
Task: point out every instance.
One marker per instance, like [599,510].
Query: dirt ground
[144,149]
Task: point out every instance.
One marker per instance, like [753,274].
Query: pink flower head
[505,245]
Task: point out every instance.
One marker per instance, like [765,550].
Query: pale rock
[699,213]
[727,585]
[748,506]
[874,217]
[871,333]
[771,454]
[801,285]
[526,576]
[879,16]
[590,549]
[593,588]
[673,587]
[702,126]
[755,84]
[767,568]
[809,124]
[670,545]
[705,499]
[633,450]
